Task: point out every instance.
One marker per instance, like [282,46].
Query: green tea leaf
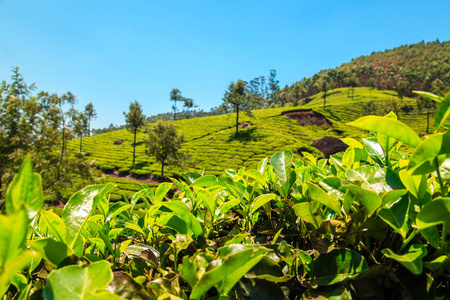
[228,273]
[429,96]
[75,282]
[205,181]
[412,259]
[337,266]
[180,209]
[307,213]
[281,163]
[260,201]
[396,215]
[385,125]
[369,199]
[12,235]
[442,112]
[162,190]
[434,213]
[205,196]
[10,269]
[50,223]
[25,189]
[52,251]
[317,194]
[132,226]
[77,211]
[427,151]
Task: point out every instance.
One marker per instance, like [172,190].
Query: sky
[113,52]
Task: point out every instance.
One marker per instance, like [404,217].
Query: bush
[124,171]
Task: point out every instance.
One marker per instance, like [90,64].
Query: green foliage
[293,227]
[134,119]
[164,144]
[36,125]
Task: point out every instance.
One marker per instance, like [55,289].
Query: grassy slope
[211,142]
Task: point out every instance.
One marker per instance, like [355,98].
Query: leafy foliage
[370,221]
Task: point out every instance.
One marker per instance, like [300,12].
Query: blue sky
[114,52]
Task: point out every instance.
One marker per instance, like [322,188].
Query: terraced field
[211,143]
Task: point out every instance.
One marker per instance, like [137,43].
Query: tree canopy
[134,119]
[164,144]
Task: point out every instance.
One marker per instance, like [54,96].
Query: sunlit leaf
[75,282]
[385,125]
[281,163]
[412,259]
[434,213]
[317,194]
[25,189]
[427,151]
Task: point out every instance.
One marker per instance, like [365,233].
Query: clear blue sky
[114,52]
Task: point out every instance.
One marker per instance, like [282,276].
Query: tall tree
[238,98]
[90,114]
[134,120]
[164,144]
[188,103]
[80,125]
[372,85]
[323,85]
[401,88]
[175,96]
[273,84]
[352,82]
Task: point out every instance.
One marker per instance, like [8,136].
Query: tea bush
[369,223]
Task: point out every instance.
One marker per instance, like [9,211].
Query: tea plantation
[211,143]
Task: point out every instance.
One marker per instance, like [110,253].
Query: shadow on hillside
[246,135]
[139,143]
[140,165]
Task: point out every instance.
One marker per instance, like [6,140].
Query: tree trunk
[237,118]
[134,146]
[428,120]
[62,148]
[81,143]
[324,98]
[162,170]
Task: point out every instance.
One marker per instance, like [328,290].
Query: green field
[213,147]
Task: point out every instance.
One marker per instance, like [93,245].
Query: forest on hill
[421,67]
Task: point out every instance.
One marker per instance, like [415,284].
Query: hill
[213,147]
[422,66]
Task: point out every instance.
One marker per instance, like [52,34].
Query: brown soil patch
[307,118]
[245,124]
[329,145]
[118,142]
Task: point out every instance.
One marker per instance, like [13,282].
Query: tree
[188,104]
[238,98]
[372,85]
[175,96]
[352,82]
[273,84]
[90,114]
[164,144]
[34,125]
[401,88]
[80,125]
[324,85]
[134,119]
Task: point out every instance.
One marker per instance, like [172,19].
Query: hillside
[422,66]
[211,142]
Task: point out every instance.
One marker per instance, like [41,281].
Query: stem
[406,242]
[441,182]
[444,234]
